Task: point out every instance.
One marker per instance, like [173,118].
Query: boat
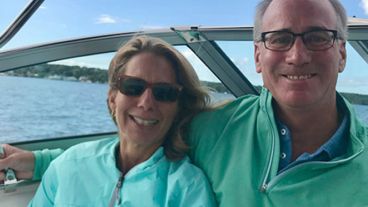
[214,49]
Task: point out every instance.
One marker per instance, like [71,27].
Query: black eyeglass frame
[302,35]
[152,86]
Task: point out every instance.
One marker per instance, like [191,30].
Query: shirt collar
[336,146]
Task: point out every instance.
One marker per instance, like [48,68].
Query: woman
[154,92]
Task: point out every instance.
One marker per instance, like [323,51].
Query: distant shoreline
[62,72]
[97,75]
[45,78]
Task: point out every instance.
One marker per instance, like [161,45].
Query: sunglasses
[163,92]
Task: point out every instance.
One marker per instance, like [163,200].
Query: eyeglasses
[132,86]
[316,40]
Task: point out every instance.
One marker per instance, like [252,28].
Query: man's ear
[257,58]
[342,52]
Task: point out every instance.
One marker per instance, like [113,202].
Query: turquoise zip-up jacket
[86,175]
[238,148]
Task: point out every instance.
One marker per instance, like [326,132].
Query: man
[299,143]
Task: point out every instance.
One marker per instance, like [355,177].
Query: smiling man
[300,55]
[299,143]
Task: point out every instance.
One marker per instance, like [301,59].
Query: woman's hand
[21,161]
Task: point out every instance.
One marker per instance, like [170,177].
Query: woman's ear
[111,102]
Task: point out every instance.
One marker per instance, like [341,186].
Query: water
[40,108]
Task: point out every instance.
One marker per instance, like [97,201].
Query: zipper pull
[118,186]
[116,198]
[263,187]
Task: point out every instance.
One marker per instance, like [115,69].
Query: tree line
[97,75]
[94,75]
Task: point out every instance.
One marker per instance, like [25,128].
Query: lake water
[40,108]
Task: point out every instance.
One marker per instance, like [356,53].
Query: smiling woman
[151,115]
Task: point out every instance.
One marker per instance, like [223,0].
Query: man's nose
[298,53]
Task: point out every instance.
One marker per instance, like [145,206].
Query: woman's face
[142,120]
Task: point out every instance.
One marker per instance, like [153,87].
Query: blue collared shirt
[336,146]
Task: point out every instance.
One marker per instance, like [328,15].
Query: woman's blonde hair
[192,99]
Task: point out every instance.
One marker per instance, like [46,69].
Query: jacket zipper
[278,177]
[264,185]
[286,172]
[116,198]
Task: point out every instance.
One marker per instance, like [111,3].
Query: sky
[65,19]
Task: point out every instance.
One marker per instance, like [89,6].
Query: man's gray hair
[342,29]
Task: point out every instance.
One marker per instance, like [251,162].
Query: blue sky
[65,19]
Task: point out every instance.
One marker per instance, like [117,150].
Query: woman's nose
[146,100]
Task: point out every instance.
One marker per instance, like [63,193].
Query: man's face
[300,78]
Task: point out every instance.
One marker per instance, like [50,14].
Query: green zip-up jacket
[238,148]
[86,175]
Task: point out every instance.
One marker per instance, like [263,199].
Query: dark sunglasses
[164,92]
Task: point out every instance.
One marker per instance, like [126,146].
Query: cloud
[243,62]
[124,20]
[364,5]
[353,81]
[149,27]
[106,19]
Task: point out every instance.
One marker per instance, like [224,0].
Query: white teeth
[299,77]
[145,122]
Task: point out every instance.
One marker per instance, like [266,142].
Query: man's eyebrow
[311,28]
[315,28]
[284,30]
[281,30]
